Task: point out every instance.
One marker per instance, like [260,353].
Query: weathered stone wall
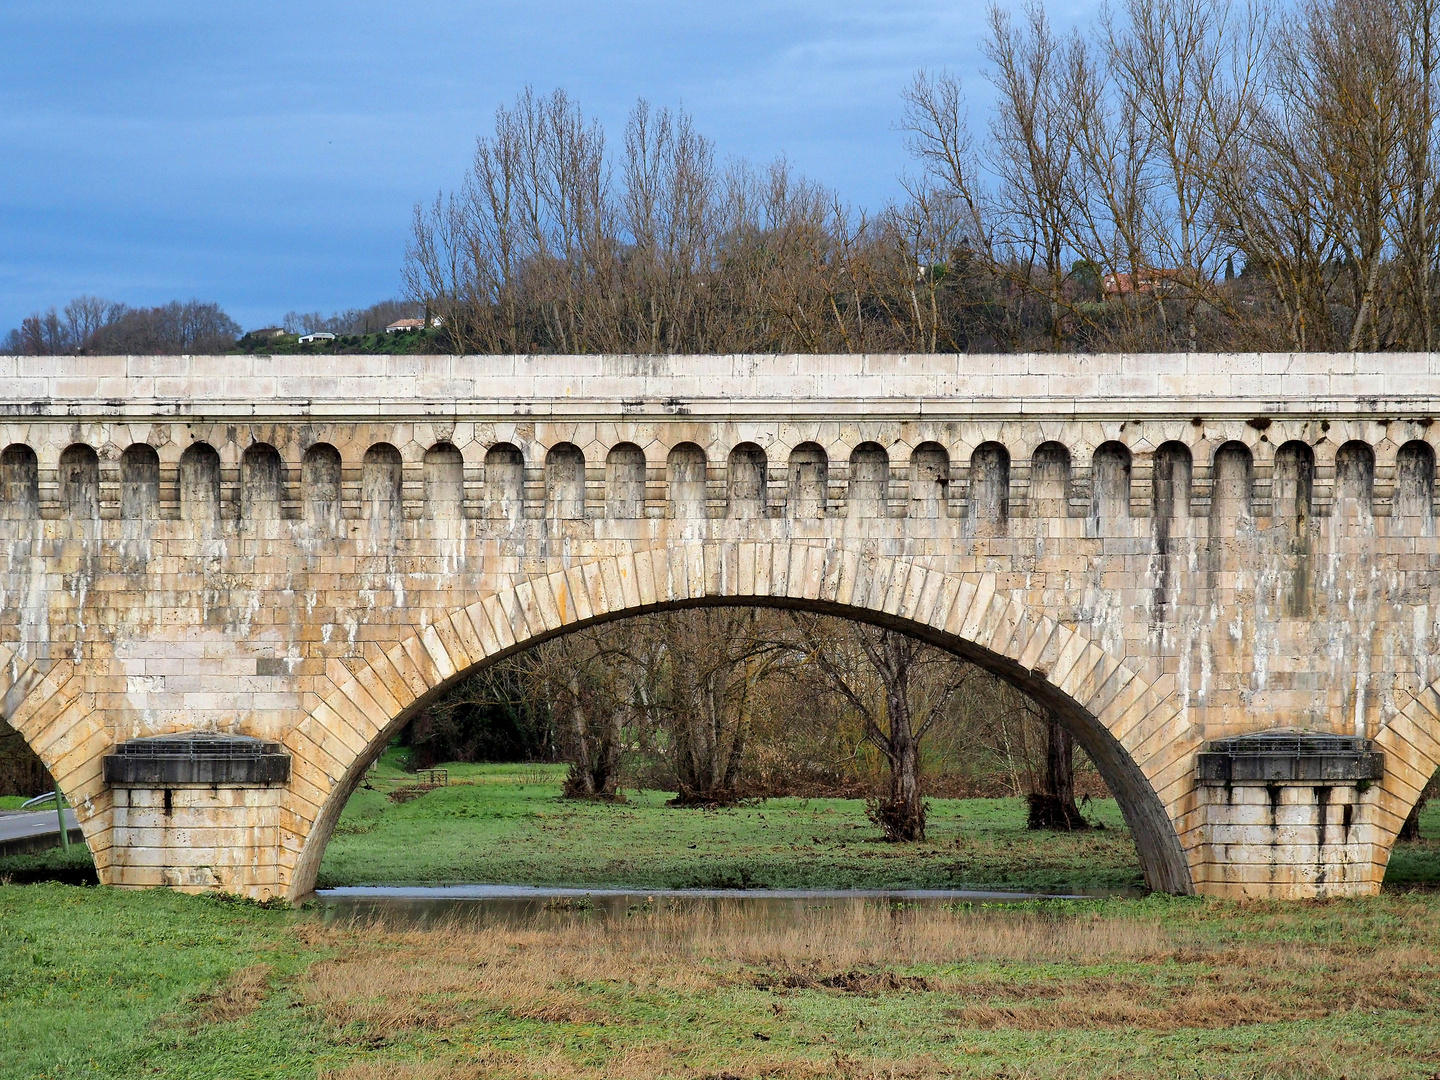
[1169,549]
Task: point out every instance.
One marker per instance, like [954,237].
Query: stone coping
[936,386]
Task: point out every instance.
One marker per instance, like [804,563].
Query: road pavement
[33,830]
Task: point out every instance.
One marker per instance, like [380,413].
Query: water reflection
[421,907]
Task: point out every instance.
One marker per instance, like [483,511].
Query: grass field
[99,983]
[505,823]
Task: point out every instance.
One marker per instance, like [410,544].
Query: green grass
[100,983]
[92,981]
[507,824]
[12,802]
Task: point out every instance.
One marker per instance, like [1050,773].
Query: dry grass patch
[728,971]
[641,1063]
[235,998]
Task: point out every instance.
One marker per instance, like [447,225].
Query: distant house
[400,326]
[1146,281]
[267,332]
[319,335]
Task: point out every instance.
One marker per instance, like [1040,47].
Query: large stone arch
[1131,726]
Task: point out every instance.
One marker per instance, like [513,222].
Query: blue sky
[266,155]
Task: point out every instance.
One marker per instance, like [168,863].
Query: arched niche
[685,481]
[1170,482]
[139,483]
[80,482]
[809,481]
[444,471]
[989,507]
[1354,482]
[200,485]
[868,493]
[382,479]
[262,483]
[930,481]
[504,483]
[320,488]
[746,481]
[1292,485]
[1110,487]
[625,482]
[564,483]
[1292,492]
[1414,501]
[1231,476]
[1050,481]
[19,483]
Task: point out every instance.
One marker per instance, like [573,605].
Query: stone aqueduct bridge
[1175,552]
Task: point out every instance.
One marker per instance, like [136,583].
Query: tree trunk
[1053,806]
[595,756]
[902,815]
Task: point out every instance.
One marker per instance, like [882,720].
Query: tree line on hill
[1183,174]
[1104,204]
[91,326]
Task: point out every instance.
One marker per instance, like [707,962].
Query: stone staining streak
[1291,592]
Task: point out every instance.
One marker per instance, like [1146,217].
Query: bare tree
[1032,149]
[900,688]
[1190,67]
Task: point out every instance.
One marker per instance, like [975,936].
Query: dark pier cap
[196,758]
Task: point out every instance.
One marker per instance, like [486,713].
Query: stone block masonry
[1174,552]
